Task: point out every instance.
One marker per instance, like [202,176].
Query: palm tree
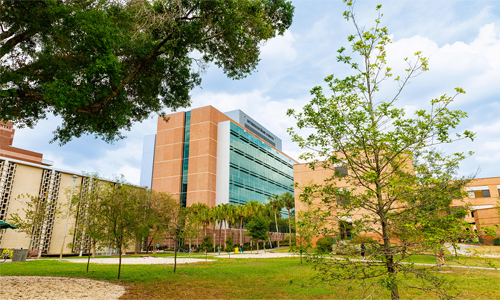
[212,216]
[277,204]
[230,219]
[240,213]
[253,209]
[289,203]
[200,213]
[220,214]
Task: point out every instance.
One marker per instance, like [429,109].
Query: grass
[279,278]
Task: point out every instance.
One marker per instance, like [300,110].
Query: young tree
[117,214]
[206,244]
[33,220]
[306,229]
[87,215]
[257,229]
[191,229]
[388,159]
[102,65]
[229,246]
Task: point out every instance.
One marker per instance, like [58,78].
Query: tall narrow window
[185,158]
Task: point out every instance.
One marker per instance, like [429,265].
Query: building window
[483,193]
[343,197]
[185,158]
[345,230]
[472,214]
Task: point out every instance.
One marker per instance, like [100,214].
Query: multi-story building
[483,196]
[207,156]
[18,178]
[6,150]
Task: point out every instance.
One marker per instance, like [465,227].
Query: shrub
[5,251]
[496,241]
[324,244]
[363,240]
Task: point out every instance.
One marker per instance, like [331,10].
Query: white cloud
[280,49]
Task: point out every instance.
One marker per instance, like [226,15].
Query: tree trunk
[120,261]
[277,230]
[251,247]
[225,235]
[93,247]
[241,231]
[88,263]
[214,232]
[175,256]
[289,226]
[220,233]
[189,248]
[391,270]
[257,246]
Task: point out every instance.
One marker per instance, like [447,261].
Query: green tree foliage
[389,161]
[276,205]
[206,245]
[288,202]
[324,244]
[229,246]
[34,217]
[257,229]
[102,65]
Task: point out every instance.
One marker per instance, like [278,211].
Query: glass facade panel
[185,158]
[257,171]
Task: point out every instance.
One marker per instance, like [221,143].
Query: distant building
[483,197]
[211,157]
[6,150]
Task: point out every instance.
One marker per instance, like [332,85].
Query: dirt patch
[39,287]
[204,262]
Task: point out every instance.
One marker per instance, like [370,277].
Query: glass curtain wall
[257,171]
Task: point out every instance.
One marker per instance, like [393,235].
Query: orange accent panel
[168,152]
[171,136]
[170,185]
[168,169]
[175,120]
[206,197]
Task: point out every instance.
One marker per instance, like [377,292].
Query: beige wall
[27,181]
[60,221]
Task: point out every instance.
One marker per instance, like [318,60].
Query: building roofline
[296,162]
[80,174]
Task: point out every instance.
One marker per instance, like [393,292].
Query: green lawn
[280,278]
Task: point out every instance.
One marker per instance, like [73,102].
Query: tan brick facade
[483,209]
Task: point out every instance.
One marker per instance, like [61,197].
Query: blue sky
[461,38]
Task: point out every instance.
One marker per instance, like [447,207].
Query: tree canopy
[388,178]
[102,65]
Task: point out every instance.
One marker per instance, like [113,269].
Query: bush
[363,240]
[496,241]
[324,244]
[5,251]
